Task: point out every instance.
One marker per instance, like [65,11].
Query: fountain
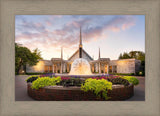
[80,66]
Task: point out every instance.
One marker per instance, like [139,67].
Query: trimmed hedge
[32,78]
[35,73]
[131,79]
[127,74]
[120,81]
[71,82]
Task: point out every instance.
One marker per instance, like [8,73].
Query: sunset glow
[114,34]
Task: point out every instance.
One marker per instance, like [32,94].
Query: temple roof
[82,55]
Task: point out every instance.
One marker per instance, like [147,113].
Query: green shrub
[131,79]
[126,74]
[97,86]
[45,81]
[71,82]
[35,73]
[30,77]
[119,81]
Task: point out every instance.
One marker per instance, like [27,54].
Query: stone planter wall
[59,93]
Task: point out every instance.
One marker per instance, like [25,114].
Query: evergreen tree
[125,55]
[133,54]
[120,56]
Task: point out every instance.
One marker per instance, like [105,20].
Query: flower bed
[60,93]
[70,88]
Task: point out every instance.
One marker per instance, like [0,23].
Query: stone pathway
[21,89]
[139,90]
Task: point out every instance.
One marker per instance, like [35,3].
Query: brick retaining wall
[59,93]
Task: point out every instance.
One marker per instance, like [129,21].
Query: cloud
[48,23]
[116,24]
[127,25]
[34,34]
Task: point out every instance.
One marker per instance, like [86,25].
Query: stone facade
[102,65]
[41,66]
[124,66]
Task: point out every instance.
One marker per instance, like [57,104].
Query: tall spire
[99,54]
[61,71]
[80,39]
[80,45]
[61,52]
[99,61]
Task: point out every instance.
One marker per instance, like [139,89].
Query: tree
[24,56]
[125,55]
[133,54]
[120,56]
[141,56]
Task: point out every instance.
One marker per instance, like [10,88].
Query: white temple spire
[62,53]
[99,65]
[80,40]
[99,53]
[61,60]
[80,45]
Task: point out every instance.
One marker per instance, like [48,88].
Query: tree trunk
[24,68]
[20,65]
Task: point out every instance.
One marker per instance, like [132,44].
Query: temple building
[101,65]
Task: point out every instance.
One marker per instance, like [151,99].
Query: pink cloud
[48,23]
[115,29]
[68,35]
[115,25]
[127,25]
[60,32]
[52,17]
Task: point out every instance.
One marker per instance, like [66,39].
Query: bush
[120,81]
[127,74]
[45,81]
[67,81]
[97,86]
[31,78]
[35,73]
[131,79]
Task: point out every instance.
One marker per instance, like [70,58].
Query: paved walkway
[139,90]
[21,89]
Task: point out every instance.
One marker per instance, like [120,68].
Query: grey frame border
[10,8]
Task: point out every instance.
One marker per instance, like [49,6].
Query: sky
[113,34]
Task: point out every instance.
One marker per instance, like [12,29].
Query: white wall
[39,67]
[124,65]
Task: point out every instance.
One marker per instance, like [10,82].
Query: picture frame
[10,8]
